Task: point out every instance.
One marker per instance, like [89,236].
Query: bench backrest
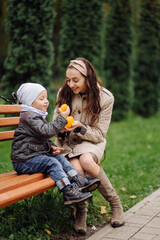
[7,121]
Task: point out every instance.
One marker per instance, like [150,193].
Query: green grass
[132,163]
[5,162]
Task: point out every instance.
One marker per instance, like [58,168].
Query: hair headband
[79,65]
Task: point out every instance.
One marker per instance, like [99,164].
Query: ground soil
[76,236]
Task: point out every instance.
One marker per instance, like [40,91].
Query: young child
[33,152]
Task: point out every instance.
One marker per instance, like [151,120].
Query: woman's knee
[76,164]
[89,165]
[86,159]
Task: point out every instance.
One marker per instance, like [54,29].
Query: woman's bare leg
[89,165]
[85,163]
[76,164]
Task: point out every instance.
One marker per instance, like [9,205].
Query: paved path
[142,222]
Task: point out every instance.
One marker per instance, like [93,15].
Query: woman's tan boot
[81,217]
[109,193]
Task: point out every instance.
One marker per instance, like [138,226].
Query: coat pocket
[36,147]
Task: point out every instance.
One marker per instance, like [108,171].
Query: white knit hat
[27,93]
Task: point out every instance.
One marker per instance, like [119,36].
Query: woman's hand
[56,150]
[76,124]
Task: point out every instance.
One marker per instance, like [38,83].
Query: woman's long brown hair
[92,92]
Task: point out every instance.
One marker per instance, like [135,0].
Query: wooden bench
[14,187]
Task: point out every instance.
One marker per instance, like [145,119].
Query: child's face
[41,102]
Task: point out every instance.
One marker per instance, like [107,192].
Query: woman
[84,143]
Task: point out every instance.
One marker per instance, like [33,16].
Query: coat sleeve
[43,128]
[97,133]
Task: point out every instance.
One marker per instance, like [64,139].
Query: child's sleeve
[43,128]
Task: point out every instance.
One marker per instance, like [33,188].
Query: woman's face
[75,80]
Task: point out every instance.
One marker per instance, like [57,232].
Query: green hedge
[117,56]
[146,61]
[29,25]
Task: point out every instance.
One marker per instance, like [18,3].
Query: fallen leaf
[123,189]
[133,196]
[94,228]
[141,174]
[126,205]
[103,209]
[47,231]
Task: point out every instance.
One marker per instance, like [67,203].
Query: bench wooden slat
[24,192]
[10,121]
[4,109]
[7,174]
[15,181]
[7,178]
[7,135]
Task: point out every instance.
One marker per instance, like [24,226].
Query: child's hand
[56,150]
[65,113]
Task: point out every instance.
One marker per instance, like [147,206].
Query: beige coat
[94,140]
